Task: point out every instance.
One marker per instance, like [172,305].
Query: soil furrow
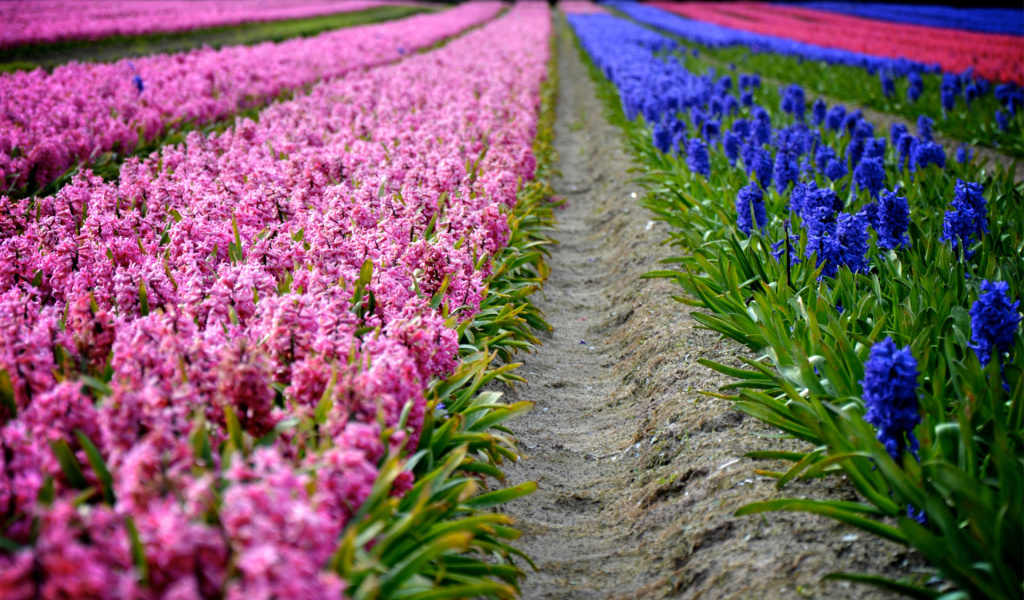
[638,472]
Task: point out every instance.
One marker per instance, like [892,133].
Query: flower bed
[993,56]
[877,277]
[1007,21]
[49,122]
[964,106]
[47,22]
[218,362]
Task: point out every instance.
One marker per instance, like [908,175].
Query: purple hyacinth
[968,221]
[994,321]
[750,208]
[890,397]
[891,220]
[697,158]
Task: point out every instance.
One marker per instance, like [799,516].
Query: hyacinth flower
[818,112]
[793,102]
[697,158]
[994,321]
[967,222]
[836,169]
[896,133]
[925,128]
[137,82]
[888,85]
[926,153]
[870,175]
[892,218]
[915,88]
[750,208]
[661,137]
[1003,120]
[731,146]
[964,154]
[786,169]
[890,397]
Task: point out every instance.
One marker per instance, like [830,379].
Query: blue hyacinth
[925,128]
[793,101]
[890,397]
[786,170]
[896,133]
[870,175]
[763,166]
[750,208]
[697,159]
[994,321]
[964,154]
[818,111]
[915,88]
[835,116]
[892,220]
[1003,120]
[662,137]
[137,82]
[923,154]
[968,220]
[731,145]
[888,85]
[836,169]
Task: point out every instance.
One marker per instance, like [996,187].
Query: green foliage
[969,478]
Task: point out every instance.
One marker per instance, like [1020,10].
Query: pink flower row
[580,7]
[50,21]
[50,122]
[222,274]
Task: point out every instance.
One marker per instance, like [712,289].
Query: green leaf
[99,466]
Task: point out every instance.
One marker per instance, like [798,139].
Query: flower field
[262,306]
[43,22]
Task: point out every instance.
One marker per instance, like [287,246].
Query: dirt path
[638,473]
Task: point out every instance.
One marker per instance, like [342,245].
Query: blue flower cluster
[655,84]
[994,321]
[890,396]
[954,87]
[967,222]
[750,208]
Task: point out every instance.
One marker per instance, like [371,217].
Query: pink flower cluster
[222,277]
[580,7]
[50,21]
[51,121]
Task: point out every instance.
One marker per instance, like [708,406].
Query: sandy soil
[639,473]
